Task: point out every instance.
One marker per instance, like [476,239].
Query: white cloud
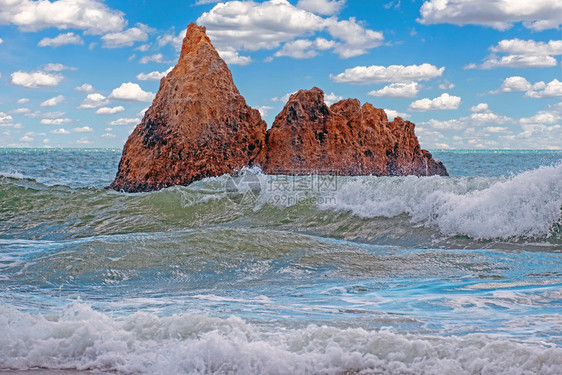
[447,85]
[108,135]
[304,48]
[480,108]
[252,26]
[86,87]
[528,47]
[264,110]
[92,16]
[153,76]
[23,100]
[36,79]
[443,102]
[1,41]
[94,100]
[157,58]
[53,101]
[398,90]
[364,75]
[143,48]
[60,131]
[56,121]
[332,98]
[231,57]
[514,83]
[126,38]
[540,90]
[26,138]
[84,141]
[131,92]
[518,61]
[60,40]
[391,114]
[109,111]
[20,111]
[521,54]
[284,98]
[125,121]
[324,7]
[85,129]
[500,14]
[5,119]
[141,112]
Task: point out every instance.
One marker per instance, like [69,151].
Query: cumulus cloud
[232,57]
[126,38]
[332,98]
[1,41]
[108,135]
[23,100]
[110,110]
[284,98]
[36,79]
[324,7]
[398,90]
[60,131]
[304,48]
[364,75]
[20,111]
[480,108]
[541,90]
[94,100]
[443,102]
[537,90]
[264,110]
[84,129]
[55,121]
[254,26]
[391,114]
[521,54]
[153,76]
[125,121]
[131,92]
[157,58]
[92,16]
[86,87]
[53,101]
[5,119]
[499,14]
[60,40]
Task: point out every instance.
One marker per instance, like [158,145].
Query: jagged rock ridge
[346,138]
[200,126]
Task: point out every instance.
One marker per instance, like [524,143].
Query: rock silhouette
[200,126]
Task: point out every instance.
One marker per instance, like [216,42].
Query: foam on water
[81,338]
[525,205]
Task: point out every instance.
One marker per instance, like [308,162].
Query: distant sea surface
[256,274]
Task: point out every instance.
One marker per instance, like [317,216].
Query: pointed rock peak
[312,95]
[195,38]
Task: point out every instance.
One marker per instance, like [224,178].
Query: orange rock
[345,139]
[198,125]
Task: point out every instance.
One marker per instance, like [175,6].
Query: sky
[471,74]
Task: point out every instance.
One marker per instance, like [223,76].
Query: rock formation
[345,139]
[198,125]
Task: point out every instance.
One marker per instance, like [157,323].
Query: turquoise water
[280,274]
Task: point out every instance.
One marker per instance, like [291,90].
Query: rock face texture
[198,125]
[345,139]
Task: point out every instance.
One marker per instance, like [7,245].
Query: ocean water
[255,274]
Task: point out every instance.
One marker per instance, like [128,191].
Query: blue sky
[469,73]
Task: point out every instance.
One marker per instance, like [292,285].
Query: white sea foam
[11,174]
[528,204]
[81,338]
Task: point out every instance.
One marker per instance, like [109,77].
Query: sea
[256,274]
